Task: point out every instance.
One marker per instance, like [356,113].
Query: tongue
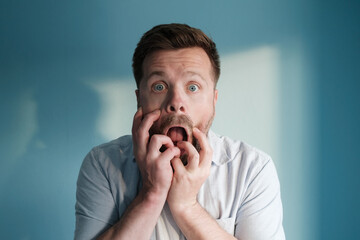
[176,134]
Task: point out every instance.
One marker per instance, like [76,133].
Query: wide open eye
[158,87]
[193,87]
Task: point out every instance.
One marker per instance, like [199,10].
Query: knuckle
[155,139]
[173,150]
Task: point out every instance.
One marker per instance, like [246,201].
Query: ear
[215,96]
[137,93]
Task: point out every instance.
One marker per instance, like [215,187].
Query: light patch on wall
[117,107]
[248,105]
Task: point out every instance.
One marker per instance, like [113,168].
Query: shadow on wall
[46,131]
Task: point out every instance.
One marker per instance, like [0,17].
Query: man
[174,178]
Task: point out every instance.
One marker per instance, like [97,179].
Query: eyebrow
[192,73]
[162,74]
[155,73]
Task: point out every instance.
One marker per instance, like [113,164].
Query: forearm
[139,220]
[196,223]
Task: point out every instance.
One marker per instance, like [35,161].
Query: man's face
[181,84]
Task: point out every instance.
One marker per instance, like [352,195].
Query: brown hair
[171,37]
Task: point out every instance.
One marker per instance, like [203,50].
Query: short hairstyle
[171,37]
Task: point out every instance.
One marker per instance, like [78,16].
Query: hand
[188,179]
[154,165]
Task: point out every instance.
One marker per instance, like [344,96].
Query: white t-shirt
[242,192]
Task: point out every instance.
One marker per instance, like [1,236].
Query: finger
[142,132]
[138,149]
[170,153]
[156,142]
[193,155]
[137,120]
[206,150]
[178,166]
[148,120]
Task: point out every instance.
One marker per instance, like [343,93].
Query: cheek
[150,104]
[204,115]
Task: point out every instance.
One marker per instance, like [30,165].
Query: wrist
[153,198]
[184,209]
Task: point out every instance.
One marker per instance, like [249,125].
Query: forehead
[187,59]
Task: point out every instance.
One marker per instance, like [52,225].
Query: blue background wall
[52,51]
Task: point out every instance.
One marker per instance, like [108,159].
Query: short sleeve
[260,215]
[95,205]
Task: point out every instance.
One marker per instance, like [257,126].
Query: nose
[176,102]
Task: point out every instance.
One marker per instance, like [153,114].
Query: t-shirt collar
[220,155]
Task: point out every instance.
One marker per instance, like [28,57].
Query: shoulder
[241,159]
[115,153]
[120,147]
[122,144]
[229,151]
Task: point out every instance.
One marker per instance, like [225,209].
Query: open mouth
[177,134]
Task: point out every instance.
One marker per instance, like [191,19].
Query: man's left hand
[187,180]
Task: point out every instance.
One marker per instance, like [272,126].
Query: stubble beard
[166,121]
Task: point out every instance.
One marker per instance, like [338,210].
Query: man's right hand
[154,165]
[140,217]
